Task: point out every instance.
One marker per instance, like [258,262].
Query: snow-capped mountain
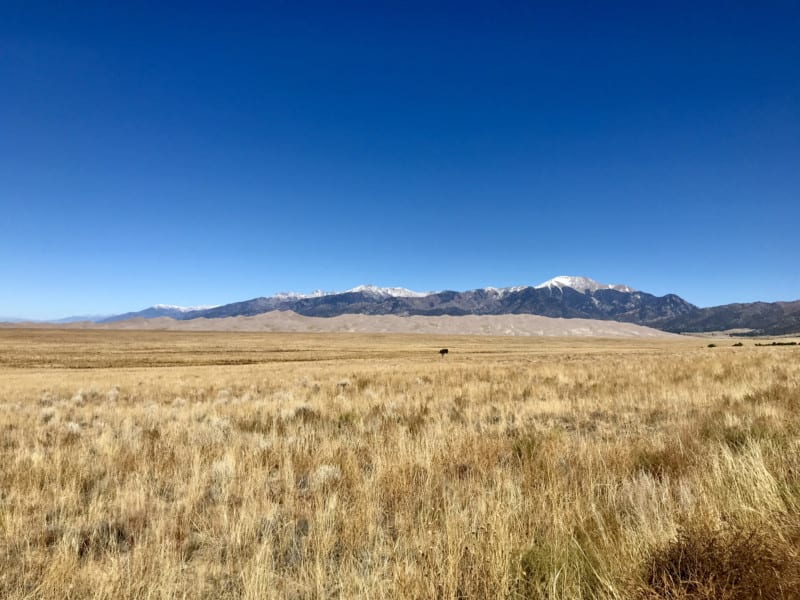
[387,292]
[577,297]
[502,291]
[296,296]
[563,296]
[582,284]
[371,299]
[183,309]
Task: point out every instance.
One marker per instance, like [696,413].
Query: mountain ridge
[563,296]
[576,297]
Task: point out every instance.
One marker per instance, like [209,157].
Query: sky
[202,153]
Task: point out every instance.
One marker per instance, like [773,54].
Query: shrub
[731,563]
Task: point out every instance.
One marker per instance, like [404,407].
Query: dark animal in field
[443,351]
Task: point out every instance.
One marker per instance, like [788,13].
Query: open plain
[263,465]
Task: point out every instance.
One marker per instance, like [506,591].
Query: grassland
[222,465]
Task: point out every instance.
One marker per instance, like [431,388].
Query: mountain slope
[153,312]
[582,284]
[761,318]
[554,298]
[562,297]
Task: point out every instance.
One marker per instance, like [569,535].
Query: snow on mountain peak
[388,292]
[506,290]
[582,284]
[372,290]
[183,308]
[298,296]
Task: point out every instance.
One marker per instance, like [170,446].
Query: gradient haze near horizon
[203,153]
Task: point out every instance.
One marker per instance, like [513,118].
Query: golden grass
[221,465]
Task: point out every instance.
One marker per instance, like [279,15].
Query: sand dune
[287,321]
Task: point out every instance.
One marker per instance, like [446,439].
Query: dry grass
[172,465]
[737,562]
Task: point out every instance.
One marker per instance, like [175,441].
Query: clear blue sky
[201,153]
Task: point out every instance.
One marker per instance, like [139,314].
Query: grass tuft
[731,563]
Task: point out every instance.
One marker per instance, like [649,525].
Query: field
[245,465]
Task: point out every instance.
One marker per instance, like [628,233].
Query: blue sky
[201,153]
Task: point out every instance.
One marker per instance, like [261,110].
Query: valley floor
[249,465]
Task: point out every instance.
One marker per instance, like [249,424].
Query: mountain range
[563,296]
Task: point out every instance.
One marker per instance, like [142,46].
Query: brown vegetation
[211,465]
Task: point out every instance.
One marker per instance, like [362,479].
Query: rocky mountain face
[595,301]
[563,296]
[759,318]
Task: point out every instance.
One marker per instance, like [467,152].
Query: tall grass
[373,468]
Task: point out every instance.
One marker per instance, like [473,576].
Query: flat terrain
[263,465]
